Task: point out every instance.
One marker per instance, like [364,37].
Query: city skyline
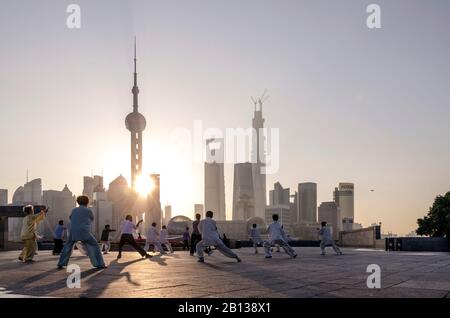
[380,127]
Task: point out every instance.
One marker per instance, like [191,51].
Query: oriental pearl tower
[135,123]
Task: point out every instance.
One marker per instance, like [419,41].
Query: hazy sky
[352,104]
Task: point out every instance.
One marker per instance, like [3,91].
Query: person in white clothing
[255,236]
[327,239]
[276,236]
[164,239]
[153,239]
[211,237]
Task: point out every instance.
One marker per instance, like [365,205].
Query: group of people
[204,236]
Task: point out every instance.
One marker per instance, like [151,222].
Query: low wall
[366,237]
[418,244]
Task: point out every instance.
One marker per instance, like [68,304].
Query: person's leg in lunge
[121,244]
[287,248]
[94,253]
[336,248]
[221,247]
[66,253]
[322,247]
[199,247]
[268,248]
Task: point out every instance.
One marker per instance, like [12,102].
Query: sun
[144,185]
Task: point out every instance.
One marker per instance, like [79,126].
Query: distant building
[330,212]
[215,178]
[33,192]
[345,198]
[60,204]
[198,208]
[103,213]
[167,214]
[258,175]
[307,202]
[92,185]
[243,192]
[279,195]
[3,197]
[154,203]
[30,193]
[284,214]
[119,194]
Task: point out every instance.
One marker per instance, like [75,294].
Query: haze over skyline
[352,104]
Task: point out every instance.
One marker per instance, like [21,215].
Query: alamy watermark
[374,279]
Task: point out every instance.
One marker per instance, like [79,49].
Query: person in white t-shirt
[126,236]
[255,236]
[210,237]
[164,238]
[153,239]
[327,239]
[277,236]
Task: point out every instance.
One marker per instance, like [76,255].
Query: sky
[352,104]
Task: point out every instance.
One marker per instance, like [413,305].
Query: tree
[437,222]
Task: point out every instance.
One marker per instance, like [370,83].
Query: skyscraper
[33,192]
[307,200]
[167,214]
[215,178]
[243,192]
[135,123]
[60,204]
[344,196]
[154,203]
[258,175]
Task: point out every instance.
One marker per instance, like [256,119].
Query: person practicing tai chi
[126,237]
[255,236]
[196,236]
[28,233]
[153,239]
[81,220]
[211,237]
[58,240]
[276,235]
[104,239]
[327,239]
[164,239]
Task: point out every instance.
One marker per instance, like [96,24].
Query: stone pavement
[404,274]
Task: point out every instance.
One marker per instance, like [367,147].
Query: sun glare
[144,185]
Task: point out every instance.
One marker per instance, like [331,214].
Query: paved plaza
[404,274]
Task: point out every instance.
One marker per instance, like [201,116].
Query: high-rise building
[103,213]
[135,123]
[154,203]
[279,203]
[33,192]
[167,214]
[199,208]
[330,212]
[3,197]
[60,204]
[30,193]
[215,178]
[258,172]
[88,187]
[279,195]
[307,200]
[344,196]
[243,192]
[119,193]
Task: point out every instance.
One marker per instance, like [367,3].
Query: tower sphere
[135,122]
